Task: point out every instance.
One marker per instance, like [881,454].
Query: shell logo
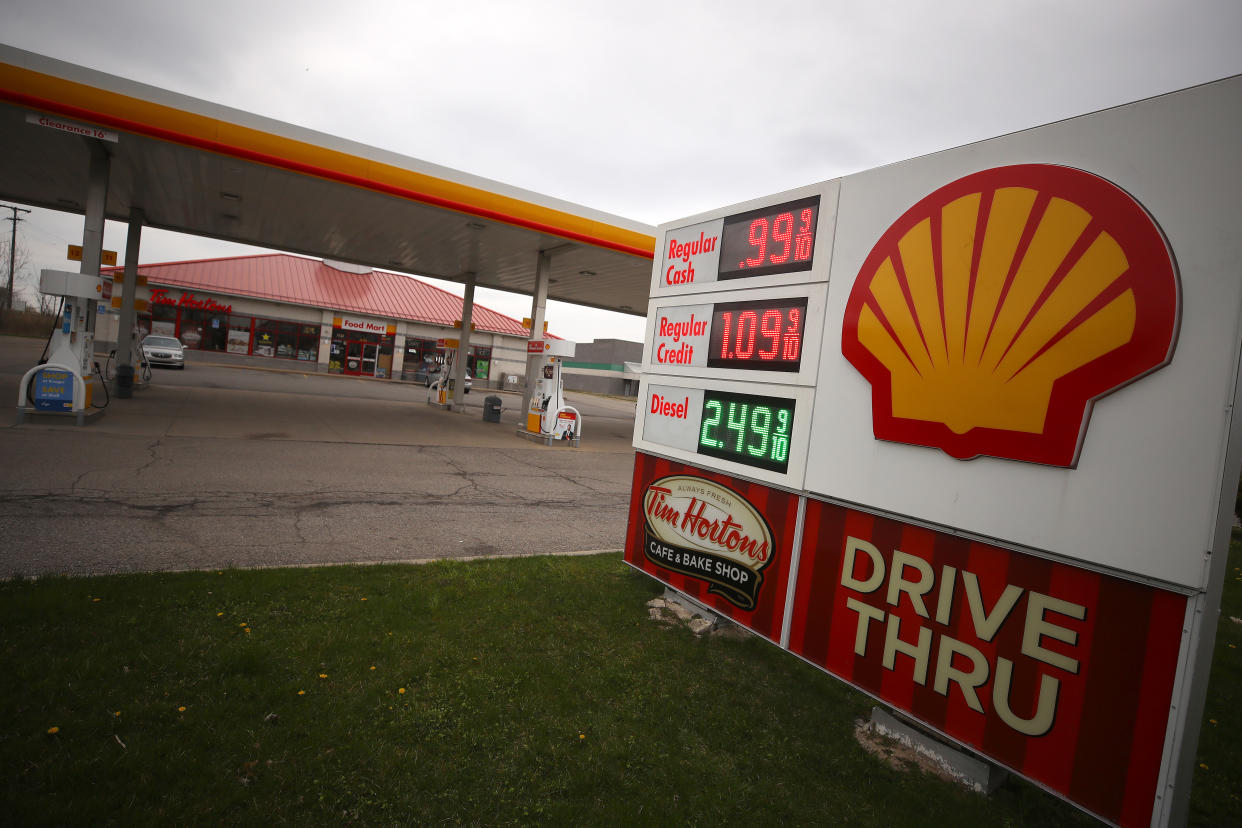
[995,311]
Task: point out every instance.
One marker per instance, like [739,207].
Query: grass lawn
[528,690]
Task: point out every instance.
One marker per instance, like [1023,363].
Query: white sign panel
[1014,348]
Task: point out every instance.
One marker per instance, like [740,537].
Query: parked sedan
[164,350]
[429,373]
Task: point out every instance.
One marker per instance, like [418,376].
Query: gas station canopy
[200,168]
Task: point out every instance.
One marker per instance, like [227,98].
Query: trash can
[491,409]
[125,381]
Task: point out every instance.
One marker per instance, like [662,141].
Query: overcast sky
[647,110]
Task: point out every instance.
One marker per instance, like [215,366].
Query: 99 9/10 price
[747,429]
[775,239]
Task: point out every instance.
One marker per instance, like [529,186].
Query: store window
[215,331]
[480,362]
[308,343]
[211,330]
[265,333]
[336,354]
[239,334]
[163,320]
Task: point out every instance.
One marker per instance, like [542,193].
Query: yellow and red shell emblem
[992,314]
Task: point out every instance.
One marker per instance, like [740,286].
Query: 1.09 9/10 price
[763,334]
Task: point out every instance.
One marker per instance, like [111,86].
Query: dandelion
[323,675]
[401,690]
[301,692]
[181,709]
[1205,767]
[247,631]
[219,614]
[581,736]
[364,599]
[53,730]
[117,714]
[372,666]
[1213,721]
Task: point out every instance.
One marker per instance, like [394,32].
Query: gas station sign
[978,407]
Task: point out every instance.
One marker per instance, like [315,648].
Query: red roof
[280,277]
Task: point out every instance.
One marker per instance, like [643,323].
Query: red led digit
[759,229]
[782,231]
[746,324]
[726,323]
[793,335]
[805,241]
[770,327]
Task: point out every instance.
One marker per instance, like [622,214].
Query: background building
[605,366]
[337,317]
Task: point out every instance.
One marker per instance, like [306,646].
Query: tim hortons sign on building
[993,489]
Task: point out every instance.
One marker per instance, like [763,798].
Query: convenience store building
[338,317]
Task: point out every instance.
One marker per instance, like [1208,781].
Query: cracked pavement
[226,467]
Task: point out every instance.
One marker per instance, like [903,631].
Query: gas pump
[548,415]
[442,389]
[63,383]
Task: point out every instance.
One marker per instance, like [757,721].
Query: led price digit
[762,334]
[747,428]
[777,239]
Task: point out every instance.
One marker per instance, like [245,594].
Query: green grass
[536,691]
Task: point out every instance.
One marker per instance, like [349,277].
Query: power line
[8,301]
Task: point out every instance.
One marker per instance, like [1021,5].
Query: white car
[164,350]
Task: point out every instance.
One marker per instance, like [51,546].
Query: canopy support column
[93,234]
[538,313]
[129,287]
[463,346]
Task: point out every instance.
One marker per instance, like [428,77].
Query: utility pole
[8,300]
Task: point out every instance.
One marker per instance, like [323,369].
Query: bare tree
[25,282]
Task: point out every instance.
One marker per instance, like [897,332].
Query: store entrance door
[353,358]
[370,353]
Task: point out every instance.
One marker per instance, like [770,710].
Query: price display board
[747,428]
[756,244]
[777,239]
[759,432]
[764,336]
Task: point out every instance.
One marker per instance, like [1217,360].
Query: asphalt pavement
[219,466]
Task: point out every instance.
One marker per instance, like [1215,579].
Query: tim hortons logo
[994,312]
[704,530]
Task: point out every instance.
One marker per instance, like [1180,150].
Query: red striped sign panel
[1062,674]
[723,541]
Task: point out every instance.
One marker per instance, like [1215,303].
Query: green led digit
[760,426]
[737,424]
[706,437]
[780,443]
